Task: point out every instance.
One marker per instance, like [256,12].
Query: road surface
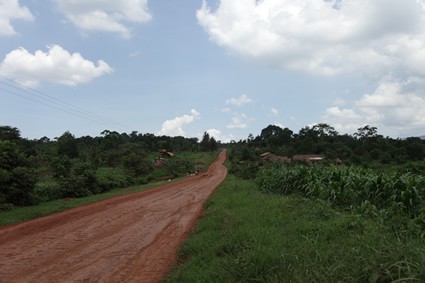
[132,238]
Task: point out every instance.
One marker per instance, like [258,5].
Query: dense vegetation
[365,148]
[375,175]
[246,235]
[393,198]
[33,171]
[361,219]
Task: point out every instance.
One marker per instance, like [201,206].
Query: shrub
[178,166]
[109,178]
[246,170]
[81,181]
[47,191]
[17,178]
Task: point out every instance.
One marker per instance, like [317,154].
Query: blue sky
[229,67]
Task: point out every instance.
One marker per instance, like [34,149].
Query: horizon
[222,66]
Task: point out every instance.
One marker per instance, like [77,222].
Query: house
[308,158]
[164,153]
[274,157]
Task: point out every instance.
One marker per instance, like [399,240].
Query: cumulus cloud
[105,15]
[219,136]
[239,121]
[384,40]
[239,101]
[57,65]
[393,107]
[11,10]
[174,127]
[324,37]
[274,111]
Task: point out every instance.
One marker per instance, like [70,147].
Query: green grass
[249,236]
[202,159]
[20,214]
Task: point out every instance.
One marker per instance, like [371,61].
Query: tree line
[366,148]
[45,169]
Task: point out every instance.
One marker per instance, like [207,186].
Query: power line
[53,107]
[20,90]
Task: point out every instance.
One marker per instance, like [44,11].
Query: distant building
[165,153]
[308,158]
[272,156]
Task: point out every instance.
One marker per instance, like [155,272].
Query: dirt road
[133,238]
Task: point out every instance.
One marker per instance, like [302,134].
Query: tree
[213,144]
[274,136]
[366,132]
[324,130]
[8,133]
[17,179]
[67,145]
[205,142]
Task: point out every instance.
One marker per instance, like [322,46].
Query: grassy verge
[26,213]
[20,214]
[249,236]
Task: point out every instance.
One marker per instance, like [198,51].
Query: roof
[265,154]
[308,157]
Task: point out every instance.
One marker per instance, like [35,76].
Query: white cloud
[11,10]
[174,127]
[278,124]
[393,107]
[383,40]
[219,136]
[339,102]
[239,121]
[105,15]
[343,120]
[274,111]
[321,36]
[57,65]
[239,101]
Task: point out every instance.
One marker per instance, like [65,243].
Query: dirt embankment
[132,238]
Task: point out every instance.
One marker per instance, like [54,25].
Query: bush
[247,170]
[6,206]
[47,191]
[17,179]
[109,178]
[178,166]
[81,181]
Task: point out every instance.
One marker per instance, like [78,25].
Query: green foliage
[350,188]
[47,191]
[246,170]
[67,145]
[248,236]
[109,178]
[177,166]
[73,167]
[208,143]
[134,159]
[8,133]
[76,178]
[17,179]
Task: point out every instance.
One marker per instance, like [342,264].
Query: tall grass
[249,236]
[390,196]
